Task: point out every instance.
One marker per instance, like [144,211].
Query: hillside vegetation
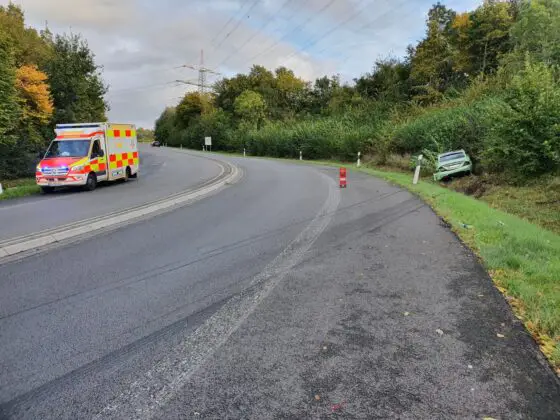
[486,81]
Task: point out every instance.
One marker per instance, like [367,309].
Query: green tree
[489,35]
[27,46]
[9,110]
[165,125]
[250,107]
[432,61]
[389,80]
[536,33]
[191,107]
[76,84]
[525,138]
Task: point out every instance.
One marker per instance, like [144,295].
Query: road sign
[208,141]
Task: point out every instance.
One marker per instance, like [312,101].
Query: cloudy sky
[140,43]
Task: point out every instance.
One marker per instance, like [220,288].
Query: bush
[524,140]
[446,128]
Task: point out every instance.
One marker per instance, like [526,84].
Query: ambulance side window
[96,149]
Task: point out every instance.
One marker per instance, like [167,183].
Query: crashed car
[452,164]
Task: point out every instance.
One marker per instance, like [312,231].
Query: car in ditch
[452,164]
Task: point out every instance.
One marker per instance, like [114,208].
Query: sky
[142,44]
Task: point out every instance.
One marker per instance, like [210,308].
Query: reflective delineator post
[244,153]
[417,171]
[300,155]
[359,162]
[342,177]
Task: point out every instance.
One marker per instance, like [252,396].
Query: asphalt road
[162,173]
[280,297]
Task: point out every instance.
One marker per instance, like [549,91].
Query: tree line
[486,81]
[45,79]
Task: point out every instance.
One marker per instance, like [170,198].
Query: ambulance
[86,154]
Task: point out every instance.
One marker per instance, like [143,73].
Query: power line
[367,25]
[227,23]
[297,28]
[255,2]
[256,33]
[330,31]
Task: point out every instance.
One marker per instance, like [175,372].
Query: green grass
[539,203]
[522,258]
[19,188]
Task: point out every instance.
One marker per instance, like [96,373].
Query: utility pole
[202,72]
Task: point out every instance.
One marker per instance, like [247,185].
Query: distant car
[156,144]
[451,164]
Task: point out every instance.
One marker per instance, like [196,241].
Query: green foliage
[9,110]
[250,107]
[76,84]
[447,128]
[389,81]
[524,139]
[38,72]
[536,33]
[338,136]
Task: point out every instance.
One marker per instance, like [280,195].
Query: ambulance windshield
[68,148]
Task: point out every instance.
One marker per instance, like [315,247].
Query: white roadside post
[181,146]
[359,163]
[300,155]
[1,190]
[244,153]
[417,171]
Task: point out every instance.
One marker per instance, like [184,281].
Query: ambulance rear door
[122,150]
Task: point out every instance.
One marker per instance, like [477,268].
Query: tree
[250,107]
[76,83]
[9,110]
[145,135]
[536,33]
[165,125]
[28,47]
[432,62]
[34,95]
[389,80]
[192,106]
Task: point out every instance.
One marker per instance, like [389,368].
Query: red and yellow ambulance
[85,154]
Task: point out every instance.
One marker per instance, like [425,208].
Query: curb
[75,231]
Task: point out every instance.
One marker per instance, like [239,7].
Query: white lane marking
[157,386]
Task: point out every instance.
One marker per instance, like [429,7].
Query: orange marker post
[342,177]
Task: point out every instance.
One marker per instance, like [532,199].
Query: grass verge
[19,188]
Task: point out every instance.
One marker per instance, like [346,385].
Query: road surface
[280,297]
[162,172]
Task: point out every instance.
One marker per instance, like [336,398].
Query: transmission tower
[202,71]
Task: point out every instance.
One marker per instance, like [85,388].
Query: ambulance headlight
[78,168]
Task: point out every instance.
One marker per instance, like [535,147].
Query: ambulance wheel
[126,174]
[91,182]
[47,190]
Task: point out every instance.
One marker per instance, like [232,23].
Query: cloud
[140,43]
